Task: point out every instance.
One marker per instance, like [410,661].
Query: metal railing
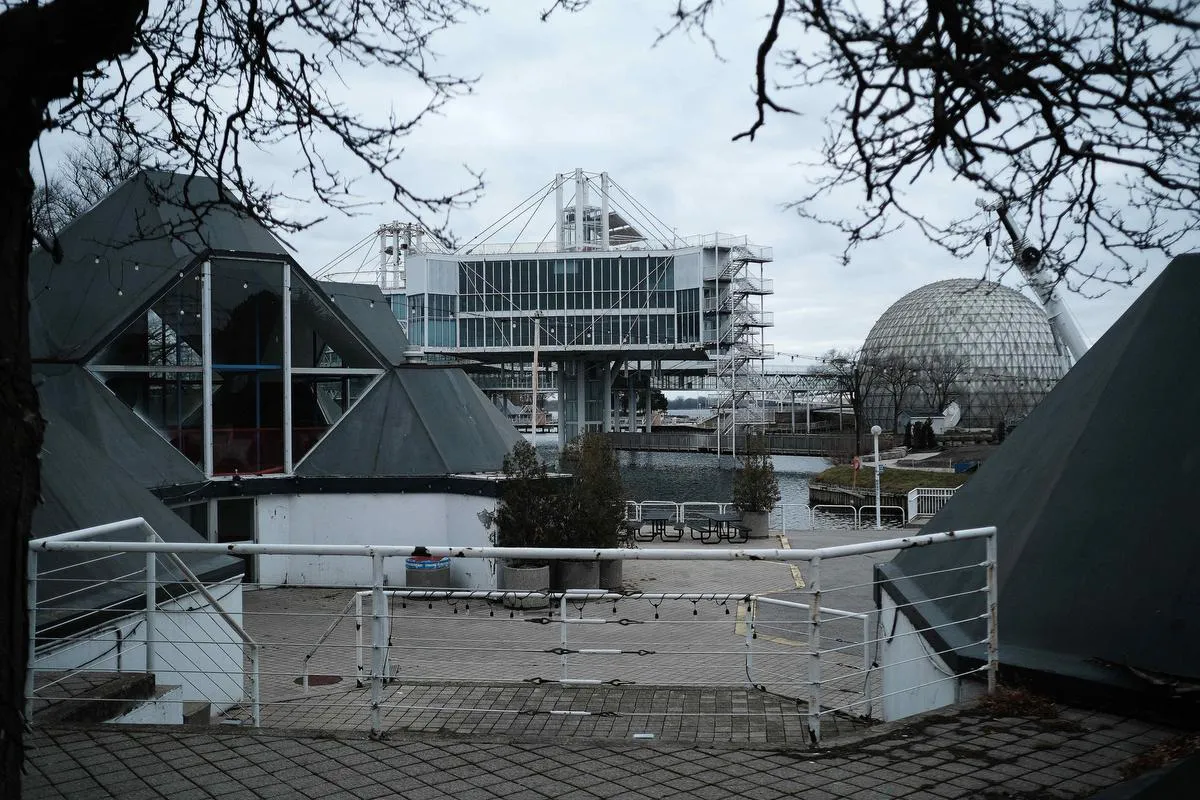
[783,518]
[927,502]
[412,647]
[173,650]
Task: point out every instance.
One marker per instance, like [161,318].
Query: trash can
[423,572]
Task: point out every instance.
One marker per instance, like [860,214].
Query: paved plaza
[962,754]
[471,713]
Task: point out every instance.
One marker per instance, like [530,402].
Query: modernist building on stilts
[608,301]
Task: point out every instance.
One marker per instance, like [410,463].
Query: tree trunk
[20,438]
[44,50]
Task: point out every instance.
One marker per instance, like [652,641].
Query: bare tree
[897,375]
[215,87]
[1080,117]
[939,375]
[84,178]
[854,375]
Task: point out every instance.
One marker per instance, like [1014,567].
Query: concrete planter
[758,523]
[576,575]
[524,579]
[611,574]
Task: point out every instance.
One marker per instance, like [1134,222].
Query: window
[157,365]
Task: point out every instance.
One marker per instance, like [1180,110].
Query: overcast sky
[591,90]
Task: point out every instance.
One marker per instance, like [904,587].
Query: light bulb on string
[245,284]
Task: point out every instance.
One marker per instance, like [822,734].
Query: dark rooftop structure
[162,281]
[178,345]
[1097,557]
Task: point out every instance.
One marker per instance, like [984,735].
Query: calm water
[699,477]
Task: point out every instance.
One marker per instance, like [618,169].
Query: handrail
[152,546]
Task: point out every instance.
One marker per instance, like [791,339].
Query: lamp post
[875,431]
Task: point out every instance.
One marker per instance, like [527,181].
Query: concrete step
[197,713]
[91,697]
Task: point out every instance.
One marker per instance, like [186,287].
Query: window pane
[172,403]
[168,334]
[319,337]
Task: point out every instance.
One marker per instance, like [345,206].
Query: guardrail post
[993,646]
[562,636]
[358,639]
[814,656]
[151,603]
[378,638]
[867,636]
[751,620]
[912,502]
[256,686]
[31,565]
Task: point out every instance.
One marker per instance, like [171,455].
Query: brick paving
[963,754]
[462,733]
[456,663]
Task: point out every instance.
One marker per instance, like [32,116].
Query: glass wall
[601,300]
[157,364]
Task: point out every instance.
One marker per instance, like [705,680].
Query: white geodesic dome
[997,338]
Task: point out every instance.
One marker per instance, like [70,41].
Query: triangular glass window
[320,338]
[165,335]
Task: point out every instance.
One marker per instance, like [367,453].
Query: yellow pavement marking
[740,626]
[784,544]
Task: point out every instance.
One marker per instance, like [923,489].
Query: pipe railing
[148,584]
[602,637]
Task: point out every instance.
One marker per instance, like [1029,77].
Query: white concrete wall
[194,649]
[915,680]
[432,520]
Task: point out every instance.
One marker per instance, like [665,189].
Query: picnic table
[723,525]
[658,517]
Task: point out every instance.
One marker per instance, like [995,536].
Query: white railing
[784,517]
[816,647]
[202,652]
[927,502]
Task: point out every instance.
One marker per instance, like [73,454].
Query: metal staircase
[734,315]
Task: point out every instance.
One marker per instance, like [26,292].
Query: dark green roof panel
[125,251]
[417,421]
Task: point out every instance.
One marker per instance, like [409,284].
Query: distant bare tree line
[937,378]
[83,178]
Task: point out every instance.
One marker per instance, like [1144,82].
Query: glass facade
[602,300]
[992,345]
[157,366]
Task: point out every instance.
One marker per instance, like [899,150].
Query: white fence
[784,518]
[814,643]
[927,502]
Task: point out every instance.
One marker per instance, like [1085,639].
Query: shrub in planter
[594,505]
[755,487]
[528,515]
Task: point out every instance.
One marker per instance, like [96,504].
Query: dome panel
[983,344]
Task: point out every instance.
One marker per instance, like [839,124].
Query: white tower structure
[1044,284]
